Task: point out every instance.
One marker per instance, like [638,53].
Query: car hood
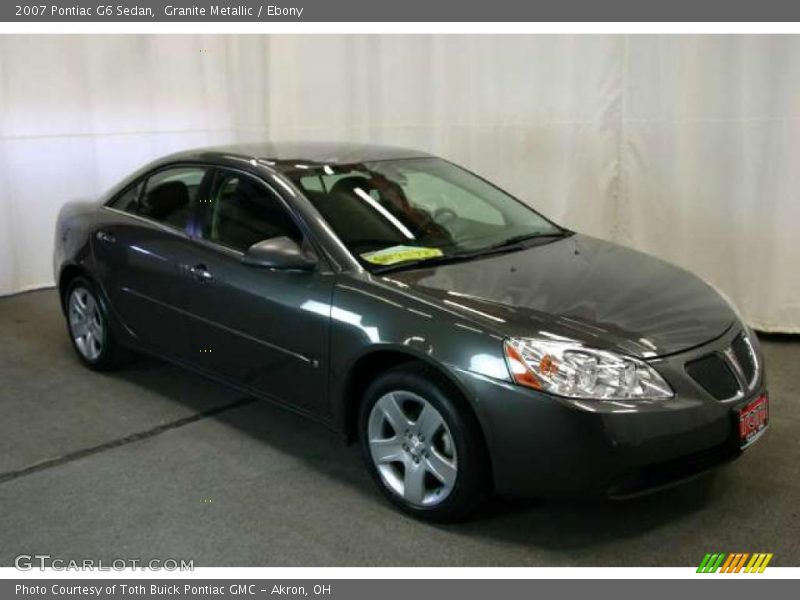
[580,288]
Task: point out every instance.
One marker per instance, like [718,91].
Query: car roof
[287,155]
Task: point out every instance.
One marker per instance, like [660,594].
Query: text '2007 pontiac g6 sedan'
[468,343]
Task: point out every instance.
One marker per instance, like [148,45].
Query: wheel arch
[68,273]
[365,368]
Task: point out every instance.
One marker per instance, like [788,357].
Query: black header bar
[152,11]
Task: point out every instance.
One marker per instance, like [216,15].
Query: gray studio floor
[153,462]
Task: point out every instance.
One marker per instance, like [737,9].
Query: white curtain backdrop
[687,147]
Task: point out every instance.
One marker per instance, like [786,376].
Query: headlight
[575,371]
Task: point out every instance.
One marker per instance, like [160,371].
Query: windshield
[398,212]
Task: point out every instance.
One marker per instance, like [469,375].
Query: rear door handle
[106,237]
[201,273]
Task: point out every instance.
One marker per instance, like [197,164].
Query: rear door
[266,329]
[141,244]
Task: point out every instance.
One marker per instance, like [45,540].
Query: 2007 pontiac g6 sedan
[468,343]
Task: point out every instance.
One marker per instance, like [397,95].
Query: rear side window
[169,195]
[128,200]
[166,197]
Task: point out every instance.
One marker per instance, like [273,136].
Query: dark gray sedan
[469,344]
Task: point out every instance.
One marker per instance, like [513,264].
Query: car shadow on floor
[564,524]
[554,524]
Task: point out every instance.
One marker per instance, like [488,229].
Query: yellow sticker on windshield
[396,254]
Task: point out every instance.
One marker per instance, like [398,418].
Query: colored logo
[738,562]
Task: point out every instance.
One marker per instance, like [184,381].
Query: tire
[443,477]
[89,327]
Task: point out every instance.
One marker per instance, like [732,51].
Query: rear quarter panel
[72,245]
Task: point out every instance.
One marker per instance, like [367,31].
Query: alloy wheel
[86,323]
[412,448]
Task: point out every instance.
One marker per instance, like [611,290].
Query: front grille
[744,356]
[714,375]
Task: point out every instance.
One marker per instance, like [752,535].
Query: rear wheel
[88,326]
[422,446]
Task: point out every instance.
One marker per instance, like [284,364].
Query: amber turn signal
[520,372]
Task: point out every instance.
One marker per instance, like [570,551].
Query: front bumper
[541,445]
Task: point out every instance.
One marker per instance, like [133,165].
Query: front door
[266,329]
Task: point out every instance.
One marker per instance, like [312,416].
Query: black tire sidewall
[471,486]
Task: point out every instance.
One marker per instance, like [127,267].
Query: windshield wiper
[509,245]
[516,240]
[424,262]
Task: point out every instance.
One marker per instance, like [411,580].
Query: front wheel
[422,445]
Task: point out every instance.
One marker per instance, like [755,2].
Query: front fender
[370,314]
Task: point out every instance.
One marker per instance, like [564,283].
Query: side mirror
[279,253]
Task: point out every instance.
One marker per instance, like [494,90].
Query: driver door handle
[201,273]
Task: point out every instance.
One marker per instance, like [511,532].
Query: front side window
[243,211]
[395,211]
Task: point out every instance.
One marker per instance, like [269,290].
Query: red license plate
[753,419]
